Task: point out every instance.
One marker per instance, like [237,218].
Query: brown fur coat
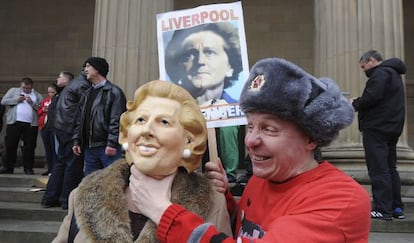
[100,206]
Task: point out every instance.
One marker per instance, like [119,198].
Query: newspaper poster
[204,50]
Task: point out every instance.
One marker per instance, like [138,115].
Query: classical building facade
[325,37]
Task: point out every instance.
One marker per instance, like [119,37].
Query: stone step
[21,194]
[19,179]
[22,180]
[30,211]
[397,225]
[14,231]
[390,237]
[407,177]
[22,219]
[407,191]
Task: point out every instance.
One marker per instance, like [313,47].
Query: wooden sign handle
[212,145]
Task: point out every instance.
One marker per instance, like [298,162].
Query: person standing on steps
[68,169]
[22,119]
[381,115]
[97,129]
[47,135]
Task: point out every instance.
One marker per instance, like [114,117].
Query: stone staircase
[22,219]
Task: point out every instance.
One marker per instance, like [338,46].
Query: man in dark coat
[381,114]
[97,128]
[68,169]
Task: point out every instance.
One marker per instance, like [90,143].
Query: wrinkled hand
[109,151]
[148,195]
[217,176]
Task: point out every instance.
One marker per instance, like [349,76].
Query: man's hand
[217,175]
[76,149]
[21,98]
[109,151]
[29,100]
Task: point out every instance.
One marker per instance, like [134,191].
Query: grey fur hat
[279,87]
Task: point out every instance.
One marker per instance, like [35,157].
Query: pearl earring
[186,153]
[125,146]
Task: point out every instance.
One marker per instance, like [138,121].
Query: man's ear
[311,145]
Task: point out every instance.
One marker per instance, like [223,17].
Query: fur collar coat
[98,207]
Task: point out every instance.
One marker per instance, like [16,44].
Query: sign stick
[212,145]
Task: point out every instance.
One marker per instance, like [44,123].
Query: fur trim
[101,206]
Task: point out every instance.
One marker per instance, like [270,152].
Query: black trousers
[381,159]
[15,132]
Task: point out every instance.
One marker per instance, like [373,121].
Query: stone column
[344,30]
[125,33]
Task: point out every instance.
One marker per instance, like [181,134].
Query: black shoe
[28,171]
[378,215]
[50,205]
[4,170]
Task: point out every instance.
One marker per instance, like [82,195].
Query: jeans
[67,172]
[95,158]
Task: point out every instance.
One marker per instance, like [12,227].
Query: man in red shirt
[290,197]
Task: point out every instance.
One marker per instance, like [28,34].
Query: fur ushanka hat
[276,86]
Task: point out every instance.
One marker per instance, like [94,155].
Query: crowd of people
[155,191]
[78,122]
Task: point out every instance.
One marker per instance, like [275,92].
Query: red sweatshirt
[321,205]
[42,115]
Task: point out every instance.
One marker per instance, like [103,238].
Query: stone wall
[41,38]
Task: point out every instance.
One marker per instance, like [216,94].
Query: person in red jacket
[290,197]
[47,136]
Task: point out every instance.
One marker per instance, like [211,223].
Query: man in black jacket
[97,128]
[68,169]
[381,114]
